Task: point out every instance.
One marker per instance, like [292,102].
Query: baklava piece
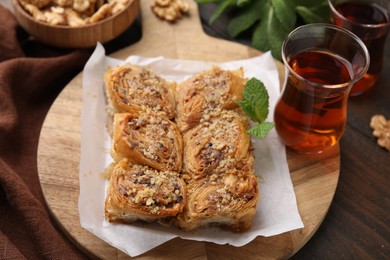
[205,92]
[131,88]
[217,146]
[139,192]
[147,139]
[228,201]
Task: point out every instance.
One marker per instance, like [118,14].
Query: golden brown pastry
[205,92]
[147,139]
[139,192]
[228,201]
[217,146]
[202,179]
[132,88]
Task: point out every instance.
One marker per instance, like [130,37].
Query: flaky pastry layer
[147,139]
[205,92]
[138,192]
[137,89]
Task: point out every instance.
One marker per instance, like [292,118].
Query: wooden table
[357,225]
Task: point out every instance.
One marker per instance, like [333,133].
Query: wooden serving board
[314,177]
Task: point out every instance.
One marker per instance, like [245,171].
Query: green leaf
[309,16]
[251,89]
[285,13]
[277,34]
[241,3]
[255,100]
[261,130]
[245,18]
[222,7]
[269,35]
[271,22]
[247,108]
[260,38]
[255,104]
[309,3]
[262,105]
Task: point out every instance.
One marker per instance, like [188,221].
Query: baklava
[131,88]
[205,92]
[217,145]
[139,192]
[147,139]
[227,201]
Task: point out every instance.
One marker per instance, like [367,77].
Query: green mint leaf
[268,21]
[255,104]
[285,13]
[269,35]
[262,105]
[309,3]
[276,33]
[247,108]
[223,6]
[247,17]
[241,3]
[255,100]
[251,89]
[261,130]
[308,15]
[260,39]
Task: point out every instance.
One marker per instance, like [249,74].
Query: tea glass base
[305,148]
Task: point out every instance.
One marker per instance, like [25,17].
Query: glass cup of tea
[370,21]
[322,62]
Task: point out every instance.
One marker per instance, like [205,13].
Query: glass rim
[363,25]
[333,27]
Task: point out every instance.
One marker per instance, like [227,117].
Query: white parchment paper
[277,210]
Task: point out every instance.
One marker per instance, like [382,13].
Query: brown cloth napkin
[31,76]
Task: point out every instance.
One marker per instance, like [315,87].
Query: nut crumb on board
[170,10]
[381,128]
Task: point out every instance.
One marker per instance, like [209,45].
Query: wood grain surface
[315,177]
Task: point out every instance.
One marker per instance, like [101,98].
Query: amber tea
[306,119]
[370,21]
[322,63]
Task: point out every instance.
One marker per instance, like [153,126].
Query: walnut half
[381,128]
[169,10]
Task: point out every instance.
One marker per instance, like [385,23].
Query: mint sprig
[268,21]
[255,104]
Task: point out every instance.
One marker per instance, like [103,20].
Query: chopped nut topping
[148,187]
[139,87]
[381,128]
[158,143]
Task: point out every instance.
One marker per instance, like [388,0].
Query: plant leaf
[247,108]
[260,39]
[255,100]
[261,130]
[222,7]
[245,19]
[241,3]
[308,15]
[285,13]
[277,34]
[261,105]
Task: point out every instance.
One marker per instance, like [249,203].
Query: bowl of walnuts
[75,23]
